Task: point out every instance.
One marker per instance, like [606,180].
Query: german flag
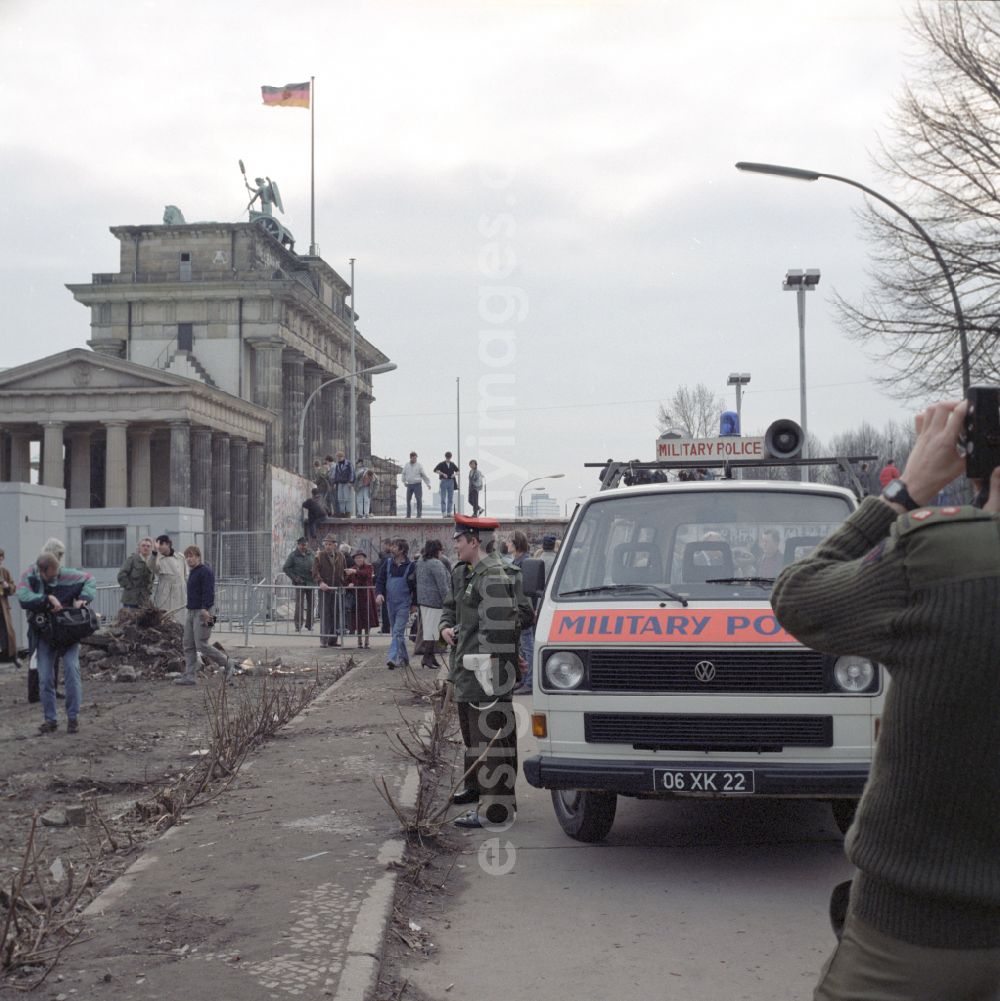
[292,95]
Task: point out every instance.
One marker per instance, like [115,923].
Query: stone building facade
[227,305]
[115,434]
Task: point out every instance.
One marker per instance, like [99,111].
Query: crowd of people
[342,490]
[399,594]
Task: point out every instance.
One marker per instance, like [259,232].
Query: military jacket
[136,581]
[481,604]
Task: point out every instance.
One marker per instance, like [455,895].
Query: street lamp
[388,366]
[814,175]
[800,282]
[551,476]
[739,380]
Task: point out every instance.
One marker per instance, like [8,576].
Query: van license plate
[718,782]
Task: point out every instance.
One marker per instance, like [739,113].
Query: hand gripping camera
[981,434]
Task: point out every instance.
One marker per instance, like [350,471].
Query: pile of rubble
[145,639]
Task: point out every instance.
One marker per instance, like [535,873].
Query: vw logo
[704,671]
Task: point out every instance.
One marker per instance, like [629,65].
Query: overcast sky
[540,196]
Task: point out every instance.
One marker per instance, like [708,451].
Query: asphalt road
[700,900]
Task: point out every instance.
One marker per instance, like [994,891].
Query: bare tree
[692,409]
[942,158]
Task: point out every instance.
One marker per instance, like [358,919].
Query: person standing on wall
[365,488]
[475,485]
[342,477]
[413,478]
[448,476]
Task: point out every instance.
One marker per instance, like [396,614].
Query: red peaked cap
[465,525]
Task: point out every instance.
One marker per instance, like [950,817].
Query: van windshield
[712,544]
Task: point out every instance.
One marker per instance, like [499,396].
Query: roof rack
[612,470]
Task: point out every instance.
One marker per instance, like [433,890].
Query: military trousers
[868,964]
[493,778]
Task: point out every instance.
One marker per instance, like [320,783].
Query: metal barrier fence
[274,609]
[280,609]
[231,602]
[236,555]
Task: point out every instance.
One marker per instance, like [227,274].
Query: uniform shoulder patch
[928,516]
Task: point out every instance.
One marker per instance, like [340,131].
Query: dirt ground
[134,738]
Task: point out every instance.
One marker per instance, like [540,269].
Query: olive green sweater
[921,594]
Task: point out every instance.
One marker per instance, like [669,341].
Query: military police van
[661,671]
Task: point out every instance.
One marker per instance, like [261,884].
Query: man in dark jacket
[328,573]
[200,619]
[299,566]
[916,589]
[315,513]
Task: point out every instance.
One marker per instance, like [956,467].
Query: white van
[661,671]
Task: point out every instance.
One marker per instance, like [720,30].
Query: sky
[550,233]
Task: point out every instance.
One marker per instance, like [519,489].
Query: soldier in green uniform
[479,623]
[916,588]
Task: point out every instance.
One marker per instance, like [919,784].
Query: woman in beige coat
[170,592]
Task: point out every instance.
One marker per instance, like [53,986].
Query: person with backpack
[43,589]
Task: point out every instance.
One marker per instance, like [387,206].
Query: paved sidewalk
[281,887]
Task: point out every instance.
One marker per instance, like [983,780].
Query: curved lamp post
[371,370]
[551,476]
[814,175]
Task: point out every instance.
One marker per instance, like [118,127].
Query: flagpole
[313,251]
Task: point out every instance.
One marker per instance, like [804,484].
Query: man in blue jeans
[448,474]
[47,586]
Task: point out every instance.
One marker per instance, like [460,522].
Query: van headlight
[853,674]
[564,669]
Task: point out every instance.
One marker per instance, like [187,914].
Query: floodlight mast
[797,173]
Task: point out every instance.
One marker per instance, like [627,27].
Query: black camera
[981,436]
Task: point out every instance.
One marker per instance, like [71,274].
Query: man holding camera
[917,589]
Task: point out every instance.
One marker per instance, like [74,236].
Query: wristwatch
[896,493]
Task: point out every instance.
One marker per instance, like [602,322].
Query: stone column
[141,468]
[79,468]
[4,464]
[313,380]
[220,483]
[159,451]
[180,464]
[201,472]
[116,465]
[20,457]
[267,391]
[257,520]
[328,409]
[341,416]
[364,427]
[52,454]
[238,485]
[293,371]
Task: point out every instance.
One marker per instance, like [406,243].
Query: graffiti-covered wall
[288,491]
